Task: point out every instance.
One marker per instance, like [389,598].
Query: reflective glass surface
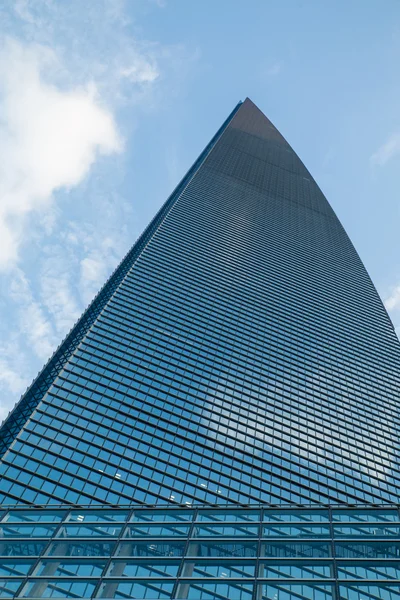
[223,421]
[225,565]
[239,354]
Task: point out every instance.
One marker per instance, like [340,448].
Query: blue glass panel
[153,548]
[363,530]
[154,568]
[145,530]
[9,587]
[299,515]
[229,515]
[153,590]
[296,570]
[57,588]
[35,516]
[293,549]
[290,591]
[95,516]
[85,531]
[220,568]
[360,515]
[173,515]
[368,549]
[21,548]
[380,591]
[306,530]
[383,569]
[15,567]
[70,568]
[221,590]
[78,548]
[239,530]
[222,549]
[26,531]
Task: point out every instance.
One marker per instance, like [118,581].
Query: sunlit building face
[240,358]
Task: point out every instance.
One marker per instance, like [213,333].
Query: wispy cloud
[33,323]
[274,69]
[13,379]
[392,302]
[49,138]
[387,151]
[68,73]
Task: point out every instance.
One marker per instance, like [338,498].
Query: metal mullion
[185,551]
[333,554]
[6,513]
[303,580]
[112,553]
[255,593]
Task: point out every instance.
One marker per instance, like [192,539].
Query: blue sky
[105,104]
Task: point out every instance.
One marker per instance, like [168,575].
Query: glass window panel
[69,548]
[229,515]
[173,516]
[11,548]
[34,516]
[290,591]
[131,568]
[223,549]
[153,590]
[368,570]
[296,570]
[221,568]
[226,530]
[293,549]
[365,515]
[26,531]
[370,592]
[289,516]
[9,587]
[15,567]
[94,516]
[377,530]
[221,590]
[57,588]
[367,549]
[84,531]
[296,530]
[70,568]
[153,530]
[157,548]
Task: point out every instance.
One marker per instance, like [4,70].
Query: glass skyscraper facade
[239,358]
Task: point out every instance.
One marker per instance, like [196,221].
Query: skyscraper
[239,356]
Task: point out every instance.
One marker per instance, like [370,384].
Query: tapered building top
[239,354]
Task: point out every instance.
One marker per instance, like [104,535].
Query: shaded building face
[239,354]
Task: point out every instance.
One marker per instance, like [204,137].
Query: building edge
[16,419]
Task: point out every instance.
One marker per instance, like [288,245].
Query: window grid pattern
[215,553]
[243,356]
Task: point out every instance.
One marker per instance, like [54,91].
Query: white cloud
[387,151]
[92,269]
[33,323]
[141,71]
[49,138]
[393,301]
[62,218]
[57,294]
